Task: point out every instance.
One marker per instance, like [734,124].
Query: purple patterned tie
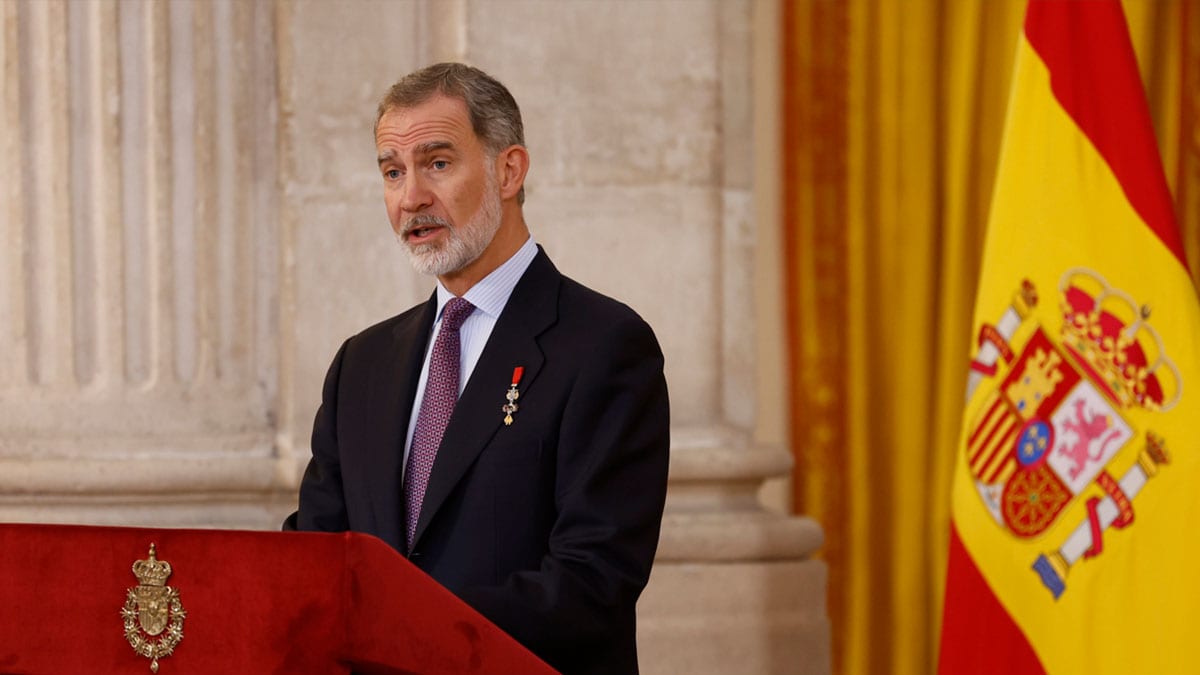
[441,392]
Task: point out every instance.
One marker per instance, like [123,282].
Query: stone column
[139,262]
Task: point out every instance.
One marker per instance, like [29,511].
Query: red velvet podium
[252,602]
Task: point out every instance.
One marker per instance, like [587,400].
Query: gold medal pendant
[511,396]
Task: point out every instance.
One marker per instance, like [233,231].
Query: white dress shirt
[489,297]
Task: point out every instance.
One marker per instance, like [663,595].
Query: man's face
[439,184]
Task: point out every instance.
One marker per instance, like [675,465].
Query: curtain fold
[892,120]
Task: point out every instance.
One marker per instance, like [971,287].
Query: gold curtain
[892,118]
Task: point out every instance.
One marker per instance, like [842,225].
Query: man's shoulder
[576,298]
[389,329]
[587,310]
[569,302]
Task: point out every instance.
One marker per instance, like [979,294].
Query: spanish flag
[1076,495]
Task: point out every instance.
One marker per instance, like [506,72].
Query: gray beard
[465,244]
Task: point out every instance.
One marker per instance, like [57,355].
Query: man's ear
[512,164]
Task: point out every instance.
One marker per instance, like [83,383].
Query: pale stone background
[192,222]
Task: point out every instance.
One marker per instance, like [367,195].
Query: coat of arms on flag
[1054,425]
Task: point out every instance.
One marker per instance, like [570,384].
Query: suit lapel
[531,309]
[392,389]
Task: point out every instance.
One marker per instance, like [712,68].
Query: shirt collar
[491,294]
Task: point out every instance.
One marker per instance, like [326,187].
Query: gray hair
[495,117]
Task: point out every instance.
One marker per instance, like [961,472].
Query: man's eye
[439,164]
[391,174]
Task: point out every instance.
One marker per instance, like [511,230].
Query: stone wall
[140,261]
[192,222]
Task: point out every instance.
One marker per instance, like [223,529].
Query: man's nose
[415,195]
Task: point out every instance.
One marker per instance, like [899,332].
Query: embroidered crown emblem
[1112,336]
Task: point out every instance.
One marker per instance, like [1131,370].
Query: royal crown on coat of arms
[1055,420]
[1113,338]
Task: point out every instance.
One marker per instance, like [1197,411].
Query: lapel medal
[512,395]
[153,609]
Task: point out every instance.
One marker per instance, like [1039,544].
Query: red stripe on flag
[990,476]
[1003,426]
[1002,446]
[993,476]
[987,420]
[1094,75]
[978,635]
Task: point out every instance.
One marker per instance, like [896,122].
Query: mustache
[423,220]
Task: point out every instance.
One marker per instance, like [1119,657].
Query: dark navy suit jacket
[549,526]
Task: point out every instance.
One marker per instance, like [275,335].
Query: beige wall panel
[345,269]
[624,187]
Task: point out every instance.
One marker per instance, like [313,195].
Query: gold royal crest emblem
[153,609]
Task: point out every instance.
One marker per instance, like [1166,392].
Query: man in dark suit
[537,495]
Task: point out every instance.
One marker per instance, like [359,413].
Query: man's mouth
[420,232]
[422,228]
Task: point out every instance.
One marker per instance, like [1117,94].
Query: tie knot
[455,313]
